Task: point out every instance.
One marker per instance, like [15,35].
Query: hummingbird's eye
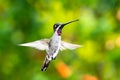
[55,26]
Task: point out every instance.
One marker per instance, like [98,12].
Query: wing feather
[66,45]
[40,44]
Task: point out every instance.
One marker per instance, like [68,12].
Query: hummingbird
[52,45]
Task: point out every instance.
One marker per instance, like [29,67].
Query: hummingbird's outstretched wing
[66,45]
[40,44]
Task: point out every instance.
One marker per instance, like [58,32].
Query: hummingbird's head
[58,26]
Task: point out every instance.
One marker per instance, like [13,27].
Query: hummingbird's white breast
[54,46]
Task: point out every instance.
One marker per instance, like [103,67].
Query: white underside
[55,46]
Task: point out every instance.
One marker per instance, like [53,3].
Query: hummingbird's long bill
[70,22]
[62,25]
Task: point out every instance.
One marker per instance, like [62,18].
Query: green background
[28,20]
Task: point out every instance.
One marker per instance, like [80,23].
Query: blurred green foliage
[28,20]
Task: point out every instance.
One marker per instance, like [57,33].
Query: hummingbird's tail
[45,64]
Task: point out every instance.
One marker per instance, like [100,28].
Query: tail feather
[45,65]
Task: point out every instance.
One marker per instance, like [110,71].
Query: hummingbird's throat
[59,32]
